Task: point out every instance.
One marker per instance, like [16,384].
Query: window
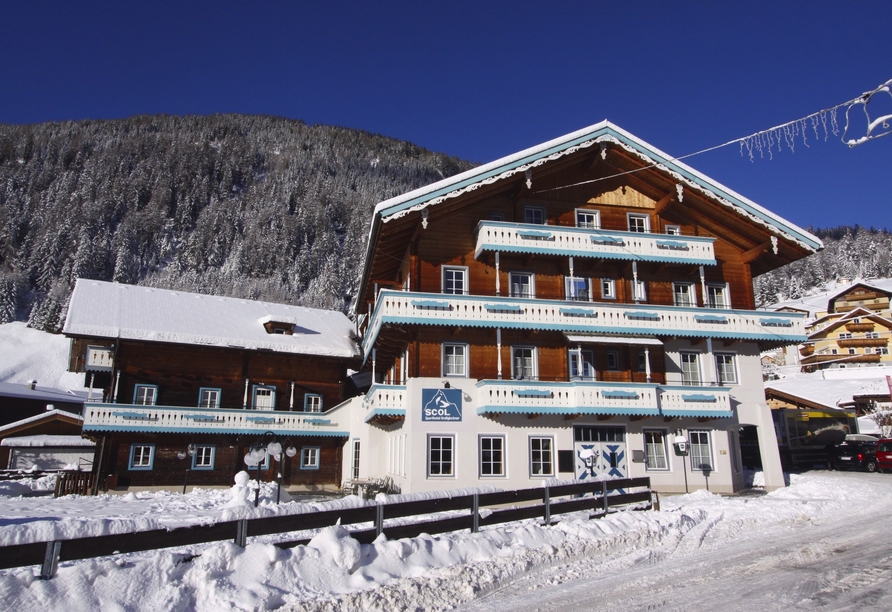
[845,336]
[613,360]
[208,398]
[655,450]
[439,455]
[717,296]
[541,456]
[496,215]
[639,291]
[523,363]
[142,456]
[725,371]
[673,230]
[584,368]
[203,459]
[312,402]
[264,397]
[492,455]
[587,218]
[309,458]
[455,280]
[638,223]
[642,361]
[355,472]
[872,335]
[522,284]
[701,457]
[608,289]
[851,351]
[534,215]
[145,395]
[690,369]
[882,350]
[683,294]
[577,288]
[588,433]
[455,359]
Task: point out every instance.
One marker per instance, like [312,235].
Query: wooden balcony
[846,342]
[175,419]
[807,350]
[582,242]
[825,358]
[860,327]
[408,308]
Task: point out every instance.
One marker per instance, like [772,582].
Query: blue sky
[485,79]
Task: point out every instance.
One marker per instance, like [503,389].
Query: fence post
[379,518]
[50,560]
[547,501]
[241,533]
[475,511]
[604,494]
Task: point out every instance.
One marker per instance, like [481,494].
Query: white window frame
[541,457]
[608,289]
[140,395]
[452,349]
[310,457]
[691,294]
[612,363]
[461,272]
[656,457]
[700,448]
[213,397]
[644,225]
[587,372]
[143,459]
[204,457]
[448,463]
[496,461]
[572,290]
[534,363]
[690,359]
[725,364]
[312,402]
[715,289]
[354,466]
[529,212]
[673,230]
[272,397]
[595,223]
[639,290]
[531,279]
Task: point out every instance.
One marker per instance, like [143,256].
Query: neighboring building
[19,402]
[50,440]
[175,372]
[569,311]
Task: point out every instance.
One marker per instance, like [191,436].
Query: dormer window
[278,324]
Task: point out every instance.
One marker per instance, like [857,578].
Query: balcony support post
[498,280]
[499,350]
[117,384]
[703,297]
[647,362]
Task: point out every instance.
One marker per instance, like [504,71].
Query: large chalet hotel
[581,309]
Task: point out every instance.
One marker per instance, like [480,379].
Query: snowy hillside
[27,354]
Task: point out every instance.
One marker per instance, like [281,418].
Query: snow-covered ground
[521,565]
[27,354]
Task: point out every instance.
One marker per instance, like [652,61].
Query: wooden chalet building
[183,381]
[570,311]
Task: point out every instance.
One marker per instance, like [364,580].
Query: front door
[600,452]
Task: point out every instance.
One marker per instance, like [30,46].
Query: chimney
[32,384]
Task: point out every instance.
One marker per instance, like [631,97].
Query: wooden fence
[70,482]
[544,503]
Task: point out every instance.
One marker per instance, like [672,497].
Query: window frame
[535,209]
[638,216]
[441,462]
[500,452]
[530,276]
[201,392]
[673,230]
[610,285]
[198,452]
[534,362]
[587,282]
[355,459]
[463,271]
[639,290]
[588,365]
[690,355]
[466,350]
[720,378]
[307,402]
[692,294]
[594,212]
[307,454]
[497,215]
[258,387]
[142,467]
[711,288]
[140,386]
[612,356]
[663,446]
[708,445]
[541,461]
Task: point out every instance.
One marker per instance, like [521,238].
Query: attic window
[278,324]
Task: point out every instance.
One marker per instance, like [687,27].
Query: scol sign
[441,404]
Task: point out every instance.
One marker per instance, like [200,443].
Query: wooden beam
[532,416]
[605,417]
[665,201]
[571,417]
[755,252]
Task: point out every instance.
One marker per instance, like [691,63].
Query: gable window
[145,395]
[523,363]
[701,455]
[142,456]
[847,336]
[608,289]
[673,230]
[264,397]
[541,456]
[455,280]
[455,359]
[522,284]
[582,365]
[683,294]
[655,450]
[638,223]
[312,402]
[690,369]
[208,398]
[203,459]
[588,218]
[534,215]
[309,458]
[577,288]
[717,296]
[492,455]
[724,368]
[439,455]
[613,360]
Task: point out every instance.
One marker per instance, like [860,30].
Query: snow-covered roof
[113,310]
[46,394]
[40,417]
[44,440]
[819,300]
[830,393]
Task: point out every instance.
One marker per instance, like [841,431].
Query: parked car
[884,454]
[856,452]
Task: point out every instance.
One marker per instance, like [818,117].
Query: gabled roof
[857,313]
[820,301]
[44,394]
[49,415]
[111,310]
[832,297]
